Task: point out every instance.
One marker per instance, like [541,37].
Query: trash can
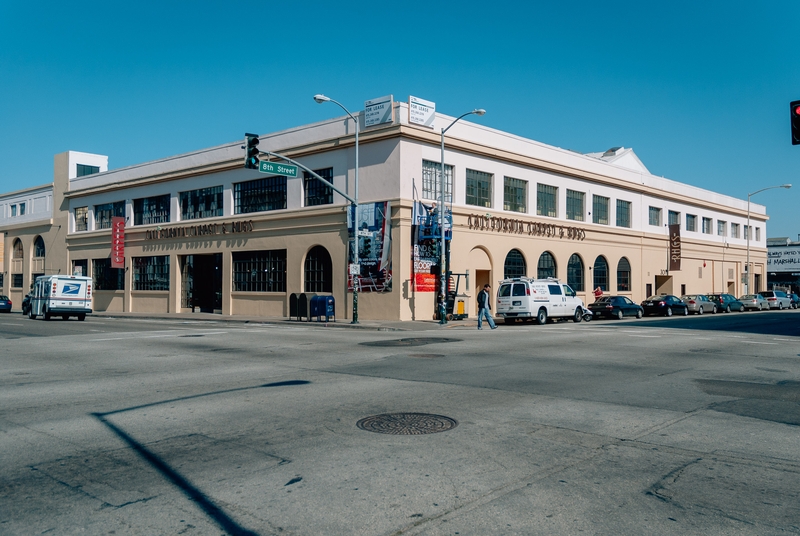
[294,303]
[304,305]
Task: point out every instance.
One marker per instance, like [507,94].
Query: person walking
[485,306]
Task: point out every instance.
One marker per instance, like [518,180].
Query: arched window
[601,273]
[623,275]
[38,247]
[546,266]
[575,273]
[515,265]
[17,253]
[319,270]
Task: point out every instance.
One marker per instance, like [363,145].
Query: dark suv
[726,302]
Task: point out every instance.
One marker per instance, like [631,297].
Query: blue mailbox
[322,306]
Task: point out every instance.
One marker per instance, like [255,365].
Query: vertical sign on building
[421,112]
[377,111]
[675,247]
[117,242]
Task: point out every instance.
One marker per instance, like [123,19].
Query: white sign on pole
[377,111]
[421,112]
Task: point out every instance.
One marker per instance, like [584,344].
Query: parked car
[754,301]
[5,304]
[26,304]
[665,304]
[528,299]
[726,302]
[795,300]
[777,299]
[699,304]
[615,307]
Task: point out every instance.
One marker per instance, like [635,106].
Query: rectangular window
[2,281]
[151,273]
[674,217]
[258,195]
[150,210]
[691,222]
[722,227]
[479,188]
[104,213]
[600,209]
[707,225]
[105,277]
[758,234]
[576,207]
[80,267]
[259,271]
[655,216]
[16,280]
[735,230]
[84,170]
[546,200]
[22,209]
[623,213]
[515,194]
[202,203]
[430,181]
[81,218]
[748,232]
[317,192]
[13,210]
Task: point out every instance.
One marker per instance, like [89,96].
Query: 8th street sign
[273,168]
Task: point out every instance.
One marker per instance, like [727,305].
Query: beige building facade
[201,232]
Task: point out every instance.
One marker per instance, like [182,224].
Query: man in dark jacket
[484,306]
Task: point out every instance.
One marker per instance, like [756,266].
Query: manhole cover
[412,341]
[407,423]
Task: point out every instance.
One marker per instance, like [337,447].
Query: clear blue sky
[700,90]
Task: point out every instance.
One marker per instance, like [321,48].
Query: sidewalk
[375,325]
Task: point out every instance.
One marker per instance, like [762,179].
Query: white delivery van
[526,299]
[61,295]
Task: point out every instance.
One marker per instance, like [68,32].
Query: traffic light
[251,151]
[366,250]
[795,114]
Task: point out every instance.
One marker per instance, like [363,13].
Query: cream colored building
[202,232]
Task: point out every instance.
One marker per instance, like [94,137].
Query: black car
[665,304]
[615,307]
[726,302]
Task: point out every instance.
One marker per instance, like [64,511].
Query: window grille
[691,222]
[623,275]
[81,218]
[202,203]
[575,273]
[515,194]
[259,271]
[546,266]
[722,227]
[575,205]
[479,188]
[546,198]
[655,216]
[515,265]
[268,193]
[104,213]
[600,209]
[151,273]
[317,192]
[430,181]
[707,225]
[674,217]
[104,277]
[623,213]
[151,210]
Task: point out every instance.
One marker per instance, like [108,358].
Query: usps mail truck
[61,295]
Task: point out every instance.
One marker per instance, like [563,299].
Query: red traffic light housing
[795,117]
[251,151]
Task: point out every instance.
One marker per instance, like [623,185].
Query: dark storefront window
[259,271]
[151,273]
[105,277]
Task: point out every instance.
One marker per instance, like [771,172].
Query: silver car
[777,299]
[699,304]
[755,302]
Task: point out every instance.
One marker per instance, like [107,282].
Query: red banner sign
[117,242]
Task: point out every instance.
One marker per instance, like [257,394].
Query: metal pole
[747,265]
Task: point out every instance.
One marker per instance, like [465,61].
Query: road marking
[760,342]
[172,334]
[647,336]
[7,324]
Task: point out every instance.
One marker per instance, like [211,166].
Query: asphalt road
[653,426]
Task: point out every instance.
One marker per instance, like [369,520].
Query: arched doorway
[318,271]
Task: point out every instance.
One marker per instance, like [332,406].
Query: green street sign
[274,168]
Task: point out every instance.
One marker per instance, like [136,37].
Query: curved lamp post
[319,98]
[442,267]
[749,232]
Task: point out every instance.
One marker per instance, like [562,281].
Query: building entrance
[201,282]
[663,284]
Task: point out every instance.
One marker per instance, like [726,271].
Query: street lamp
[319,98]
[747,230]
[442,268]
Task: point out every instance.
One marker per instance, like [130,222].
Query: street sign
[274,168]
